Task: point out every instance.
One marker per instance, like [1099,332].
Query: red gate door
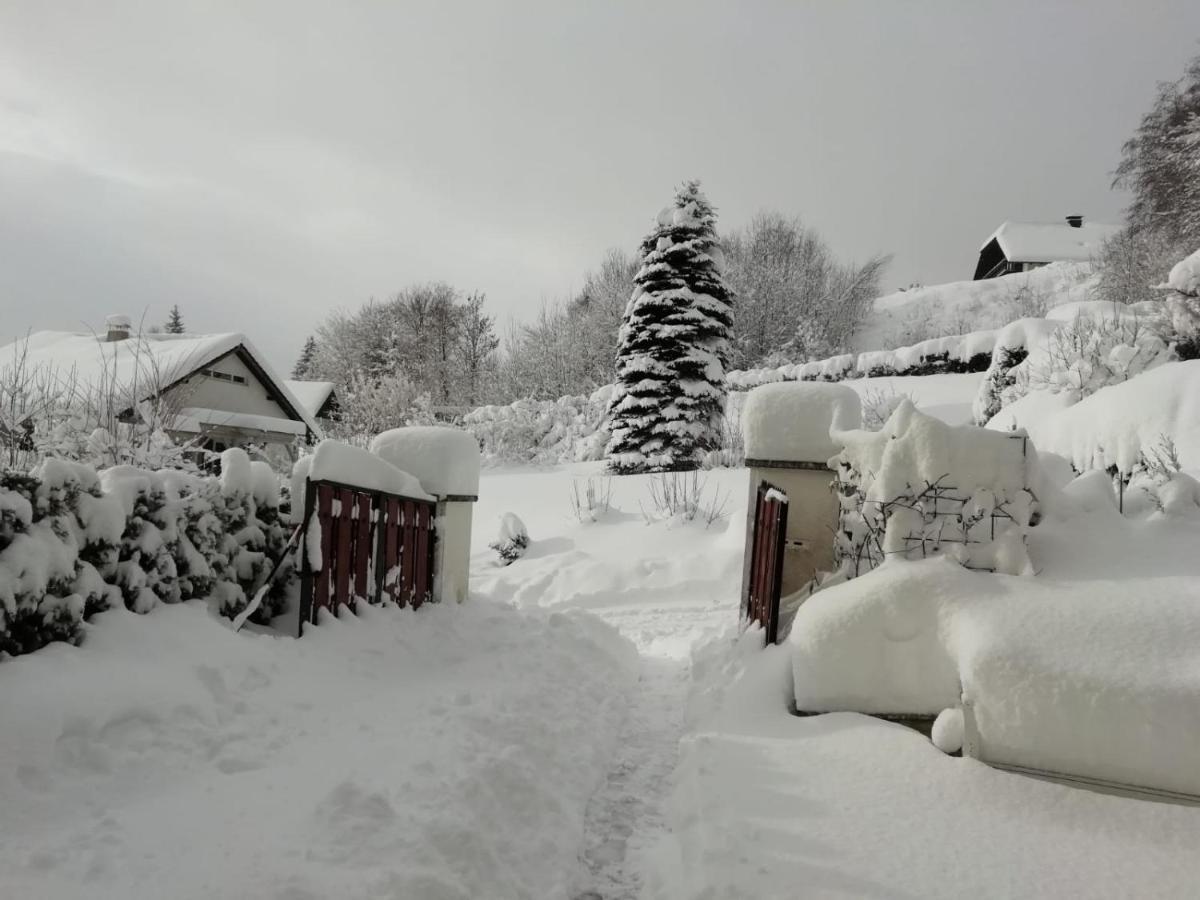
[364,545]
[761,601]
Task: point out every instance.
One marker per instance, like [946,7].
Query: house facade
[1022,246]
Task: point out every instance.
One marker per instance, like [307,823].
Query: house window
[223,376]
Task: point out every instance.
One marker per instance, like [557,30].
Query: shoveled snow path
[626,817]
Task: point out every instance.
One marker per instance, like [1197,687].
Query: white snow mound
[791,421]
[446,460]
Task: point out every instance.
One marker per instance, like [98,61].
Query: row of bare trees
[432,347]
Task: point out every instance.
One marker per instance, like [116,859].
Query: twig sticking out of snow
[595,500]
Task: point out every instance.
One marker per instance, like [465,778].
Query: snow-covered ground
[588,725]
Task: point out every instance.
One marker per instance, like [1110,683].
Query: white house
[214,389]
[1021,246]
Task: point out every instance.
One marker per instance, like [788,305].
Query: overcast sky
[262,163]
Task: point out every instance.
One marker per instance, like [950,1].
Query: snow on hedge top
[1046,242]
[1185,275]
[791,421]
[335,461]
[446,460]
[913,449]
[1115,425]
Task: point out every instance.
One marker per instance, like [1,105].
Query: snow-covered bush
[146,570]
[74,542]
[921,487]
[1101,344]
[512,540]
[1183,306]
[569,429]
[879,404]
[998,379]
[38,603]
[369,405]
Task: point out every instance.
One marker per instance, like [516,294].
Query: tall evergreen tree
[303,369]
[665,413]
[174,321]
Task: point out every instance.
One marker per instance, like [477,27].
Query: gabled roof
[1045,242]
[142,365]
[313,394]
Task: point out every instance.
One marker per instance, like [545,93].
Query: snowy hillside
[959,307]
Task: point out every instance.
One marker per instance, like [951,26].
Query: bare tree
[477,343]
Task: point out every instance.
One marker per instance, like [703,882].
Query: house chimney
[1075,221]
[118,327]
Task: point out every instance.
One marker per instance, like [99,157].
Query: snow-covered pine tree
[304,365]
[665,412]
[174,321]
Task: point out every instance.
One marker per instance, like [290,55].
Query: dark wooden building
[1021,246]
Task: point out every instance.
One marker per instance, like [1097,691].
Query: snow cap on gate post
[446,462]
[787,430]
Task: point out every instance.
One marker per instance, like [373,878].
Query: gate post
[787,428]
[446,462]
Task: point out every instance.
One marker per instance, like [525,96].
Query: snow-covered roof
[1044,242]
[197,419]
[313,394]
[140,366]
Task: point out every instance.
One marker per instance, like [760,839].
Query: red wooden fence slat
[324,513]
[408,553]
[391,550]
[343,560]
[421,566]
[362,588]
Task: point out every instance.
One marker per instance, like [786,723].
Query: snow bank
[768,804]
[1088,669]
[448,752]
[335,461]
[445,460]
[1114,426]
[793,421]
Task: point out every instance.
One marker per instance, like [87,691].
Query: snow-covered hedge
[568,429]
[75,542]
[940,356]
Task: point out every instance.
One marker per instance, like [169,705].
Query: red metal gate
[360,544]
[761,601]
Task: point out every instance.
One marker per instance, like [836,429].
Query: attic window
[223,376]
